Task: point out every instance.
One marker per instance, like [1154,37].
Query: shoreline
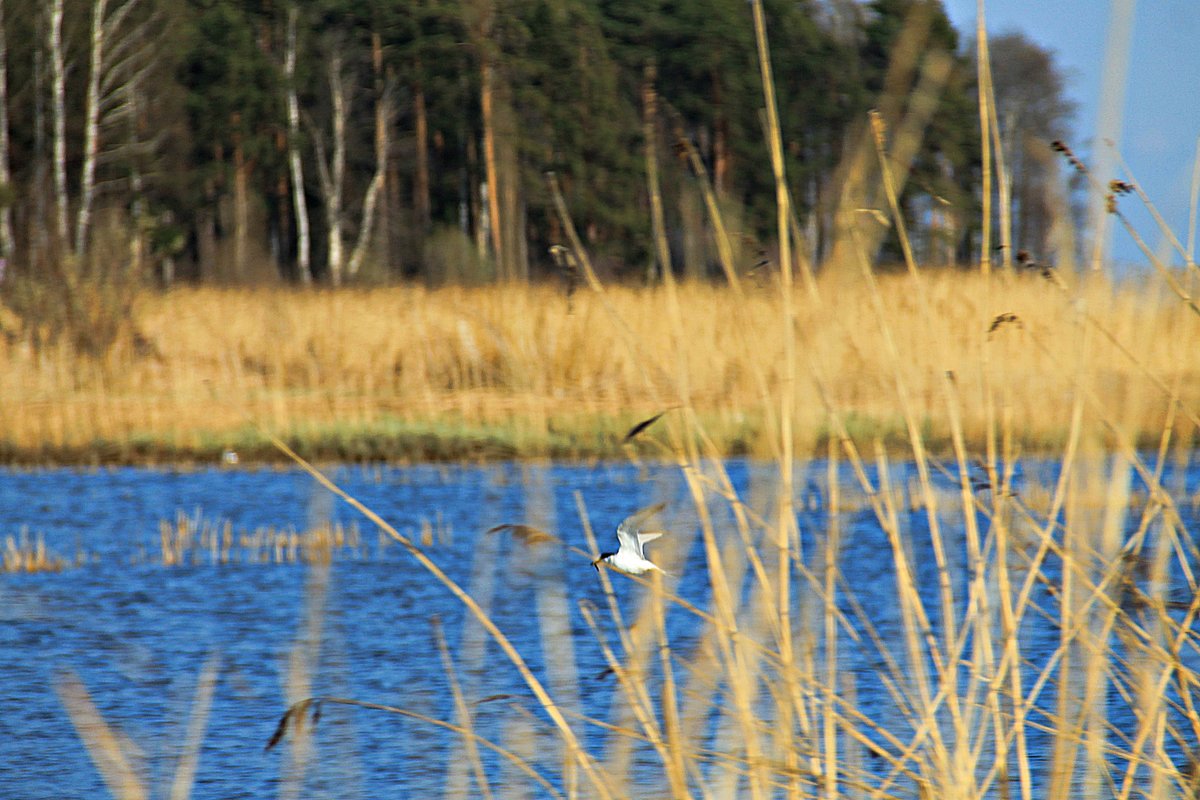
[423,444]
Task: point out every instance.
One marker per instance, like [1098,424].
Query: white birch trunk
[332,173]
[91,129]
[58,112]
[338,87]
[370,200]
[383,118]
[6,233]
[303,238]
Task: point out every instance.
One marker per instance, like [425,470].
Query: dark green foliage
[569,83]
[575,120]
[232,84]
[946,168]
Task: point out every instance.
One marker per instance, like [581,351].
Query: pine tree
[233,106]
[899,39]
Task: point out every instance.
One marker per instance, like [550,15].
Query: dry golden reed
[196,540]
[520,359]
[25,554]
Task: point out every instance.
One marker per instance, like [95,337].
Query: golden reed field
[524,370]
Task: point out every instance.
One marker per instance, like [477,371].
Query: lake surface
[138,633]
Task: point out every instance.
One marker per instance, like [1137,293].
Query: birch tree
[480,20]
[58,115]
[119,58]
[332,172]
[345,49]
[91,124]
[384,114]
[295,164]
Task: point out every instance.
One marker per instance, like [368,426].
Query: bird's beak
[596,564]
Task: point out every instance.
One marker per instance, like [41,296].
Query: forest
[337,142]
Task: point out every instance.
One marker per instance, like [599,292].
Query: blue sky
[1161,114]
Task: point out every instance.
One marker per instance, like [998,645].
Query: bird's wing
[641,426]
[649,536]
[525,533]
[627,537]
[629,532]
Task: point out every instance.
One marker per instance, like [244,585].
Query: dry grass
[23,553]
[409,373]
[196,540]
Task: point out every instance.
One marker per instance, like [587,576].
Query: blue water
[137,633]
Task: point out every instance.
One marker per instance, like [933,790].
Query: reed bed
[25,553]
[193,539]
[412,373]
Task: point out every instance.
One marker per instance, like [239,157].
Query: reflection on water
[138,633]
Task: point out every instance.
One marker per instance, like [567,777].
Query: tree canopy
[431,126]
